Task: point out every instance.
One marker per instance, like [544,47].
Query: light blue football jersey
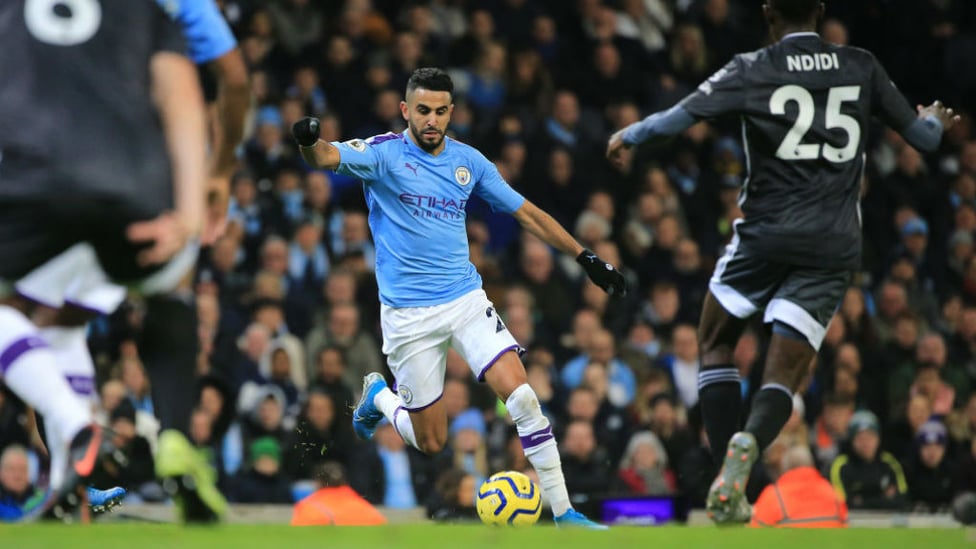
[207,34]
[417,213]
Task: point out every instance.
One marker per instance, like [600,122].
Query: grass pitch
[146,536]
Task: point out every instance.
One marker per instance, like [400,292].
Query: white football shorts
[416,340]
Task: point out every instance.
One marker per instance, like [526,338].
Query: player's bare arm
[541,224]
[319,154]
[176,92]
[233,99]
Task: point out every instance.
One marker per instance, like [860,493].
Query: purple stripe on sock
[17,348]
[425,406]
[395,428]
[516,348]
[82,385]
[534,439]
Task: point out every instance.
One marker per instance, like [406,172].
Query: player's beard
[422,141]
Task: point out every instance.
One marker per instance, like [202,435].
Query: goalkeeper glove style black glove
[602,273]
[306,131]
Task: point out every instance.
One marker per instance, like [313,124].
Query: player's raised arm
[723,92]
[921,128]
[318,153]
[541,224]
[177,95]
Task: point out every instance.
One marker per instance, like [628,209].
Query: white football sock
[70,348]
[392,407]
[28,367]
[539,446]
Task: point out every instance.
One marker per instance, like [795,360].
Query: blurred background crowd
[287,305]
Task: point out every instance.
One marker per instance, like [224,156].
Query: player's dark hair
[430,78]
[797,12]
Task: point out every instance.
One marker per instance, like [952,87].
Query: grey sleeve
[888,104]
[659,125]
[924,134]
[724,92]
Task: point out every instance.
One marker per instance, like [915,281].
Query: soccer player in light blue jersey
[417,184]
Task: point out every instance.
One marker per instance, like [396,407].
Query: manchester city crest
[462,175]
[406,395]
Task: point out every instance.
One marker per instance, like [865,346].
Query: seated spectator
[929,473]
[584,463]
[602,349]
[330,365]
[334,502]
[390,473]
[15,485]
[928,382]
[283,366]
[468,451]
[453,498]
[644,467]
[131,465]
[800,497]
[317,438]
[831,428]
[868,477]
[900,436]
[262,481]
[263,410]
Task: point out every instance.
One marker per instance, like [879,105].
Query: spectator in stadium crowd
[342,329]
[334,503]
[467,449]
[584,463]
[602,350]
[262,481]
[453,498]
[867,477]
[318,437]
[800,497]
[131,465]
[902,432]
[15,483]
[683,363]
[283,366]
[327,376]
[644,467]
[929,471]
[390,473]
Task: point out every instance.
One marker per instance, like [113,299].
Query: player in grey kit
[805,107]
[102,172]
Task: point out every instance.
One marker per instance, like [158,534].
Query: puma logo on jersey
[815,62]
[411,168]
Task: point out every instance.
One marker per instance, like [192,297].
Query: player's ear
[404,110]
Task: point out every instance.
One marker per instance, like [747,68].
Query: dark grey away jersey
[805,107]
[75,109]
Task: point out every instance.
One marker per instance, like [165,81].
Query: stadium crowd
[287,304]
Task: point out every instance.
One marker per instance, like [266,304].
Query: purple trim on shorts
[81,385]
[534,439]
[395,428]
[18,348]
[424,407]
[87,308]
[517,348]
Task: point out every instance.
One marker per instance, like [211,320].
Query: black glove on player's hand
[602,273]
[306,131]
